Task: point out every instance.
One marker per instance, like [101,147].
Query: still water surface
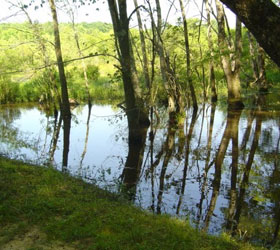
[221,171]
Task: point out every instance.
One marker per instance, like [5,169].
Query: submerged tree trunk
[133,164]
[170,82]
[65,106]
[188,55]
[166,77]
[230,59]
[136,113]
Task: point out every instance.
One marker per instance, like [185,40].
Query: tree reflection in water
[132,168]
[221,170]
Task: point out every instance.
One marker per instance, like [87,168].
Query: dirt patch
[34,239]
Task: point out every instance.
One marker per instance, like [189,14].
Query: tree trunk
[134,160]
[163,65]
[171,85]
[212,80]
[143,48]
[253,52]
[65,106]
[230,60]
[188,55]
[258,64]
[83,64]
[136,114]
[262,18]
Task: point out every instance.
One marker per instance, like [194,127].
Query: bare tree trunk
[258,64]
[212,80]
[133,164]
[171,85]
[163,65]
[83,62]
[262,83]
[143,47]
[136,113]
[188,55]
[231,62]
[252,51]
[65,107]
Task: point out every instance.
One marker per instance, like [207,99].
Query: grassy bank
[41,208]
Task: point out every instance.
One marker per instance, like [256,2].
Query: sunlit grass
[81,215]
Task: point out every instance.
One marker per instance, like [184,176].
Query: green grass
[80,215]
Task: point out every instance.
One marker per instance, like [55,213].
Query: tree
[212,80]
[230,58]
[72,11]
[262,18]
[170,81]
[135,110]
[143,47]
[65,106]
[257,56]
[188,55]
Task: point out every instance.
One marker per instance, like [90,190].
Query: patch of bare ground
[34,239]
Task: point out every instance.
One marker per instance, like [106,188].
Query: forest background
[25,74]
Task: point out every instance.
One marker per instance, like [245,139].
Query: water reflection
[220,171]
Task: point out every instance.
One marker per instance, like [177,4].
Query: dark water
[221,171]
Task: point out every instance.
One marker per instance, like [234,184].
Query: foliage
[21,53]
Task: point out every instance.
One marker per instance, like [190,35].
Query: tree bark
[212,80]
[143,48]
[137,117]
[163,65]
[230,59]
[188,55]
[262,18]
[65,106]
[76,36]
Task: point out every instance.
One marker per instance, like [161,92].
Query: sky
[97,12]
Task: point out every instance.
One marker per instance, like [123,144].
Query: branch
[132,13]
[55,63]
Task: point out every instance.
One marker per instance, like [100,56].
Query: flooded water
[220,171]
